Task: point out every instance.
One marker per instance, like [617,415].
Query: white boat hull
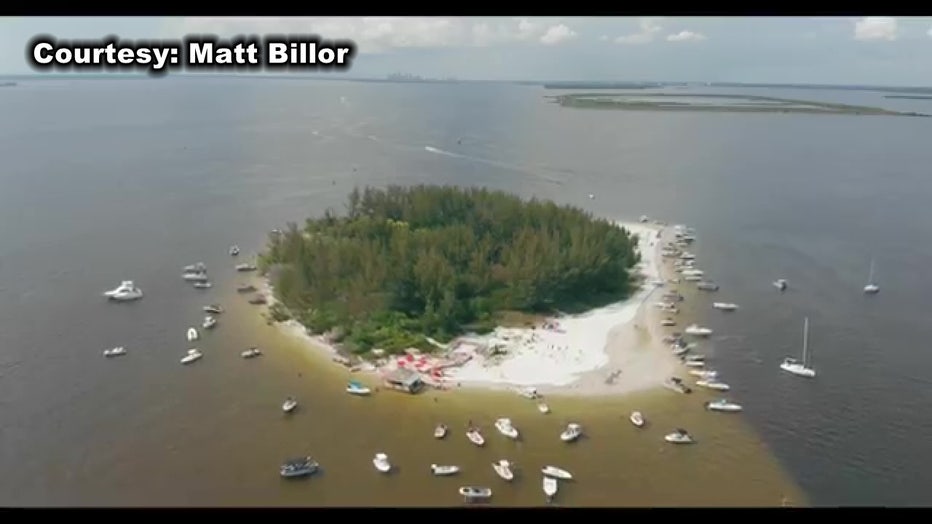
[798,370]
[543,408]
[505,428]
[550,486]
[192,335]
[191,358]
[444,471]
[637,419]
[674,438]
[381,466]
[358,391]
[503,470]
[557,473]
[475,438]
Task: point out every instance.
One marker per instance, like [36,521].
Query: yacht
[871,288]
[713,383]
[637,419]
[505,427]
[115,352]
[800,367]
[192,334]
[191,356]
[725,306]
[475,493]
[704,373]
[214,309]
[381,463]
[197,276]
[440,431]
[289,404]
[125,292]
[503,469]
[200,267]
[557,473]
[723,405]
[442,471]
[572,432]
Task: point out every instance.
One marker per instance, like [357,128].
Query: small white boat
[780,284]
[475,437]
[203,285]
[692,278]
[723,405]
[692,273]
[557,473]
[668,322]
[698,331]
[355,388]
[680,436]
[199,276]
[200,267]
[191,356]
[528,392]
[725,306]
[214,309]
[713,383]
[192,334]
[543,408]
[550,487]
[209,322]
[251,353]
[705,285]
[473,493]
[695,363]
[115,352]
[503,469]
[679,349]
[234,250]
[381,463]
[440,431]
[505,427]
[695,358]
[289,404]
[125,292]
[800,367]
[703,373]
[245,267]
[443,471]
[572,432]
[637,419]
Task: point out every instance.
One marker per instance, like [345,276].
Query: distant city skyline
[810,50]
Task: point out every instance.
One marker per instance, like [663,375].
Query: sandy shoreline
[612,350]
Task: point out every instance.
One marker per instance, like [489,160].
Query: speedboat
[543,408]
[473,493]
[381,462]
[680,436]
[209,322]
[299,467]
[550,487]
[780,284]
[191,356]
[557,473]
[214,309]
[475,437]
[125,292]
[723,405]
[725,306]
[694,363]
[289,404]
[694,329]
[356,388]
[198,276]
[505,427]
[705,285]
[115,352]
[251,353]
[503,469]
[245,288]
[703,373]
[637,419]
[668,322]
[200,267]
[192,334]
[528,392]
[442,471]
[440,431]
[203,285]
[245,267]
[713,383]
[234,250]
[694,358]
[572,432]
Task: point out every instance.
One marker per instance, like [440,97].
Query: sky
[819,50]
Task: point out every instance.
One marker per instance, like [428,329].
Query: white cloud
[557,34]
[685,36]
[875,28]
[648,29]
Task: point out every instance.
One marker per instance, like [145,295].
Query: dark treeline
[403,263]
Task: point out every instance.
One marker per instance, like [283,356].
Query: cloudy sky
[872,50]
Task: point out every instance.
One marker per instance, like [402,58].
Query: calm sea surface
[132,179]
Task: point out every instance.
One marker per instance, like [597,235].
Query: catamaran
[800,367]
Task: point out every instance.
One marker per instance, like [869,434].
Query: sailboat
[800,367]
[871,287]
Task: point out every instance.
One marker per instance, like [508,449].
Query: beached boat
[694,363]
[203,285]
[474,493]
[696,330]
[289,404]
[871,288]
[637,419]
[723,405]
[115,352]
[251,353]
[550,487]
[705,285]
[572,432]
[680,436]
[191,356]
[800,367]
[381,463]
[543,408]
[443,471]
[557,473]
[713,383]
[780,284]
[299,467]
[528,392]
[475,436]
[245,288]
[214,309]
[245,267]
[209,322]
[505,427]
[234,250]
[192,334]
[356,388]
[668,322]
[676,384]
[725,306]
[503,469]
[125,292]
[694,358]
[704,373]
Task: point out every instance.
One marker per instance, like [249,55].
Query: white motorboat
[209,322]
[505,427]
[289,404]
[200,267]
[356,388]
[725,306]
[692,273]
[698,331]
[572,432]
[381,463]
[125,292]
[475,437]
[234,250]
[871,288]
[800,367]
[198,276]
[528,392]
[440,431]
[299,467]
[115,352]
[695,358]
[705,285]
[637,419]
[679,349]
[557,473]
[543,408]
[245,267]
[443,471]
[550,486]
[713,383]
[668,322]
[780,284]
[203,285]
[723,405]
[191,356]
[695,363]
[251,353]
[192,334]
[503,469]
[692,278]
[704,373]
[680,436]
[214,309]
[474,493]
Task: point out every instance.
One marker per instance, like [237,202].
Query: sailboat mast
[870,275]
[806,342]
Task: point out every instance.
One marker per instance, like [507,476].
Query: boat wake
[502,165]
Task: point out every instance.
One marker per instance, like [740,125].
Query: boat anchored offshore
[475,493]
[299,467]
[125,292]
[440,431]
[557,473]
[637,419]
[680,436]
[550,486]
[443,471]
[115,352]
[505,427]
[800,367]
[356,388]
[475,436]
[191,356]
[572,432]
[289,404]
[503,469]
[723,405]
[381,463]
[251,353]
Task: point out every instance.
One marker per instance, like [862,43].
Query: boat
[289,404]
[503,469]
[704,373]
[557,473]
[234,250]
[299,467]
[191,356]
[676,384]
[528,392]
[679,349]
[694,363]
[687,256]
[725,306]
[668,322]
[442,471]
[695,358]
[200,267]
[572,432]
[251,353]
[257,300]
[692,278]
[800,367]
[440,431]
[356,388]
[475,437]
[245,288]
[197,276]
[115,352]
[125,292]
[192,334]
[473,493]
[203,285]
[692,273]
[505,427]
[381,463]
[698,331]
[543,408]
[680,436]
[215,309]
[713,383]
[637,419]
[245,267]
[723,405]
[209,322]
[550,487]
[705,285]
[871,288]
[780,284]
